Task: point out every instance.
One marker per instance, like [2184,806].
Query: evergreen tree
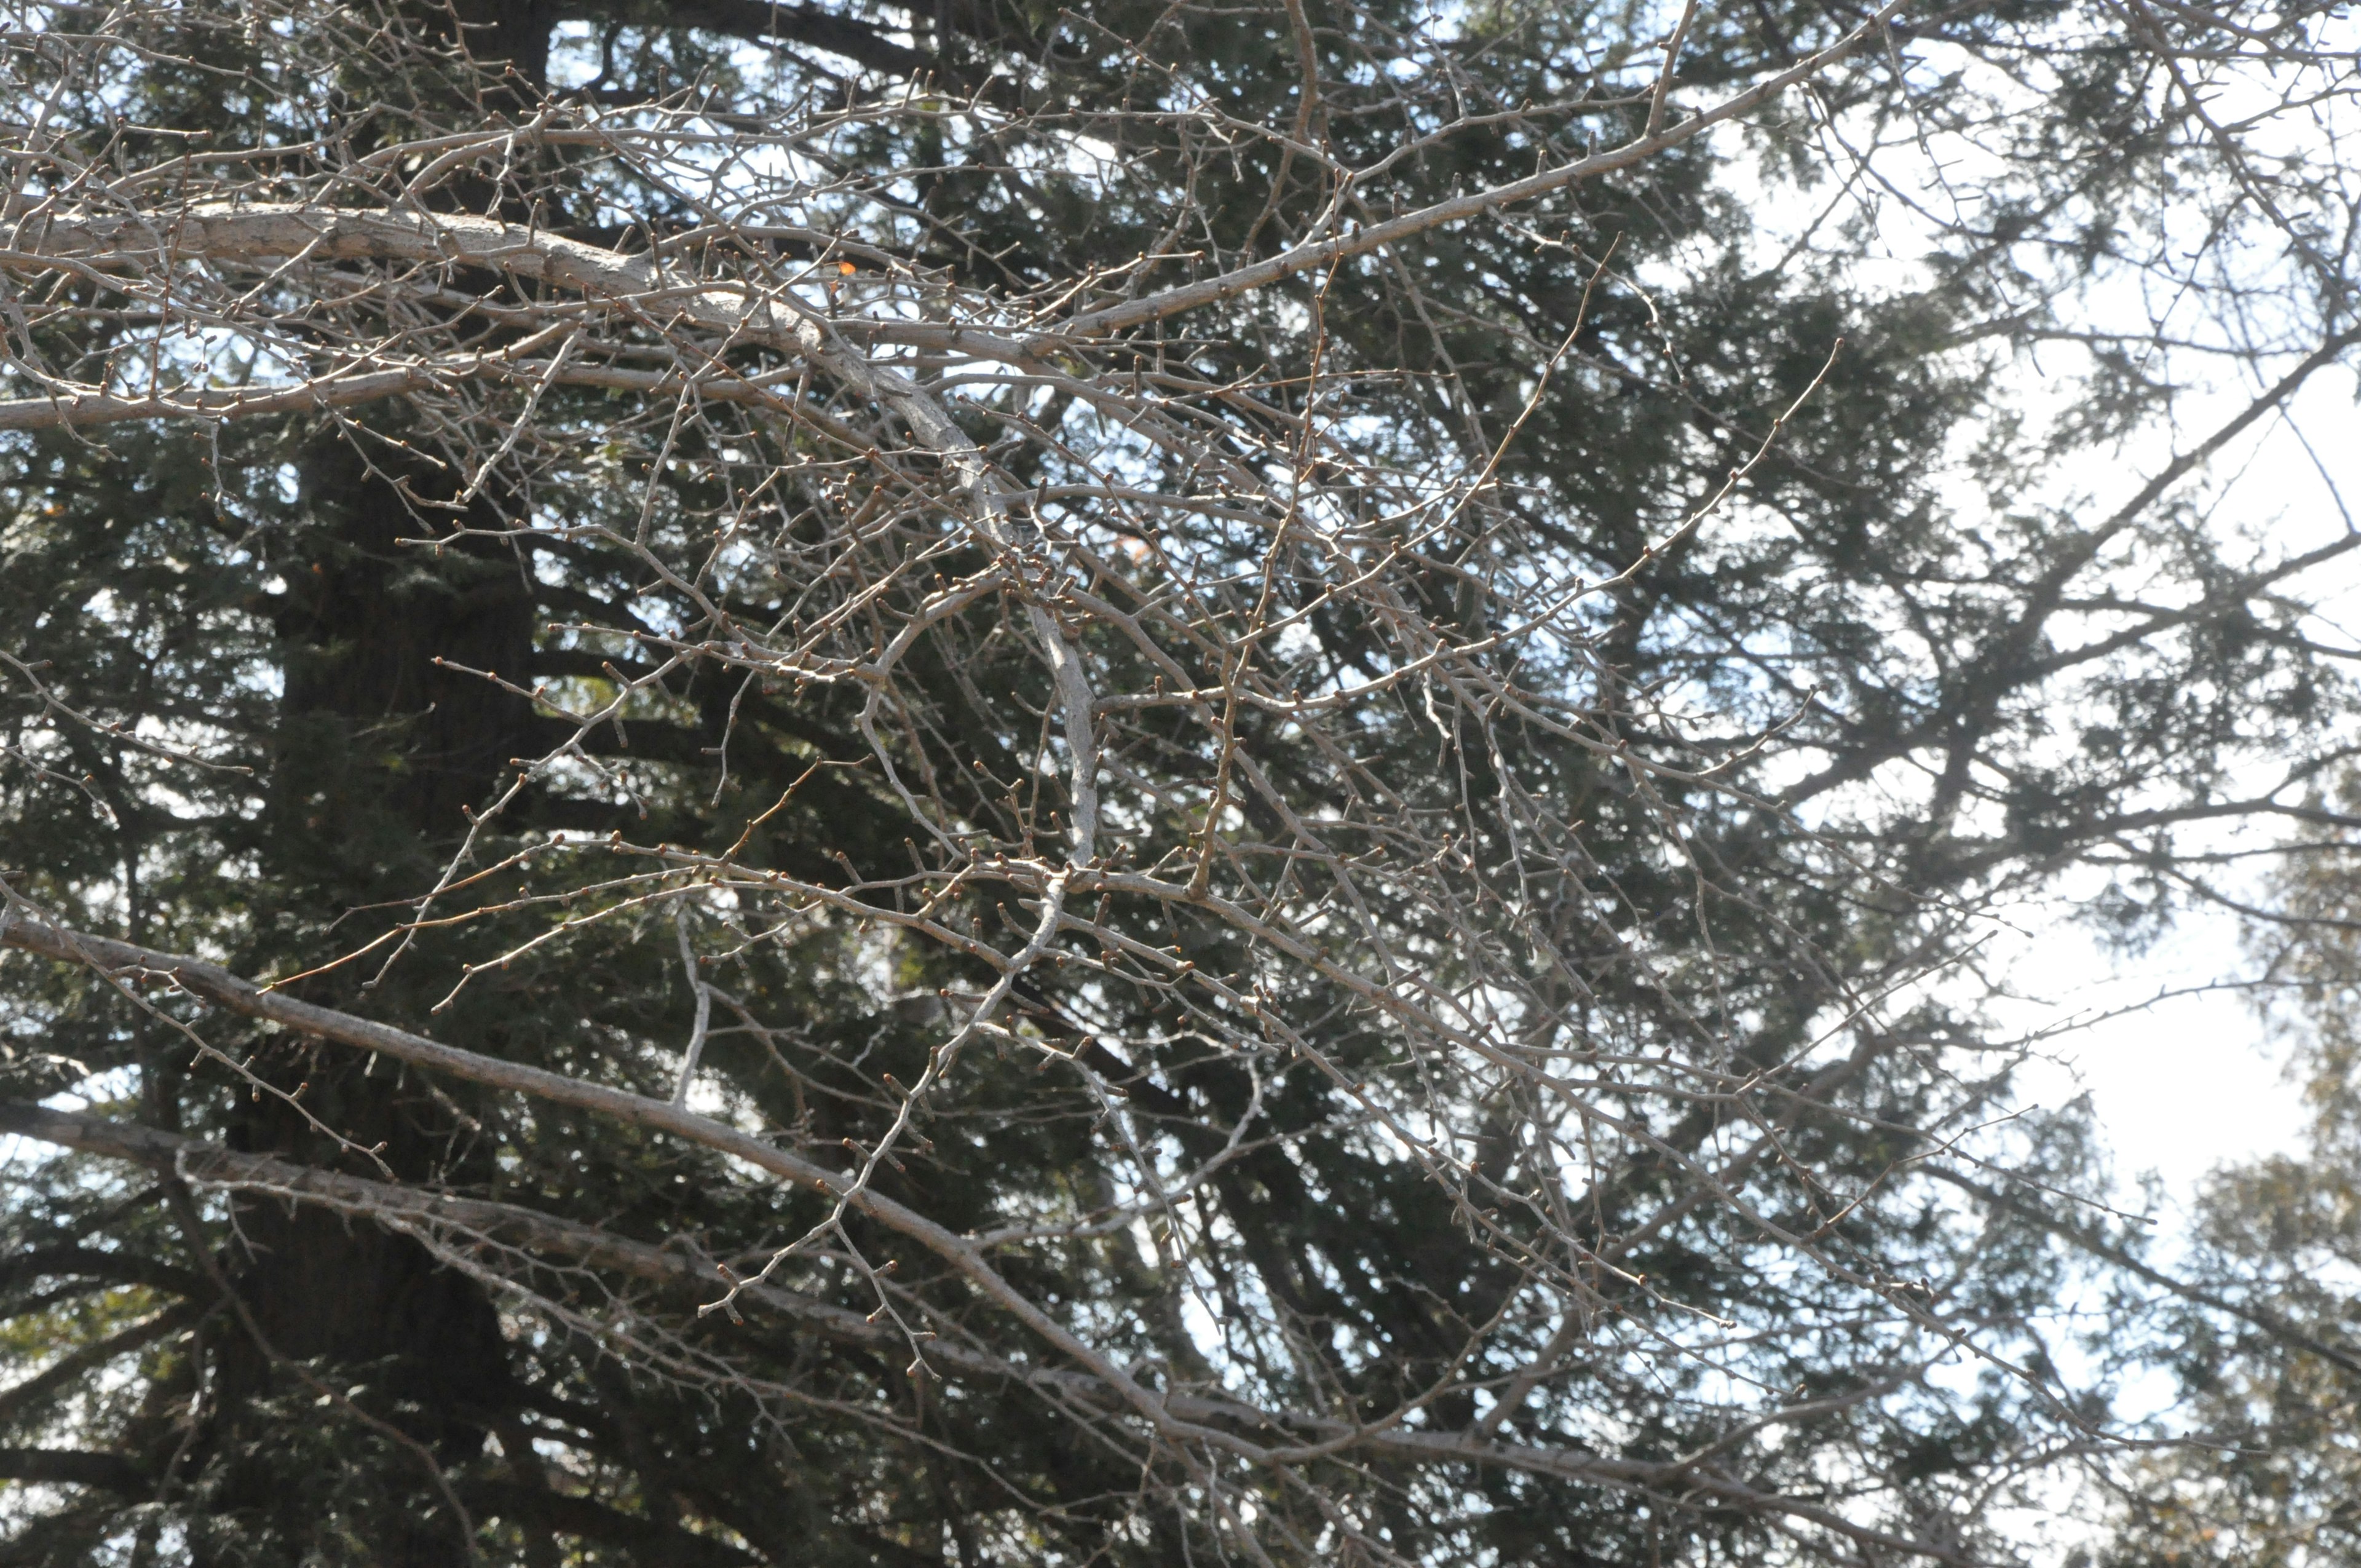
[1224,761]
[2254,1325]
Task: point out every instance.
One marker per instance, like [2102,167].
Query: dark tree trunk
[375,731]
[381,750]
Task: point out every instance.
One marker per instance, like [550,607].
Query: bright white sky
[2181,1086]
[2190,1082]
[2195,1082]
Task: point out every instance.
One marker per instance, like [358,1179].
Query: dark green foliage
[1873,691]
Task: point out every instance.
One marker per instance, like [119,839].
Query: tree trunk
[379,750]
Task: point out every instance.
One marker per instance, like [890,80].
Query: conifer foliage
[1151,783]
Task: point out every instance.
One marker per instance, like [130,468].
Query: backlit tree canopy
[1158,784]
